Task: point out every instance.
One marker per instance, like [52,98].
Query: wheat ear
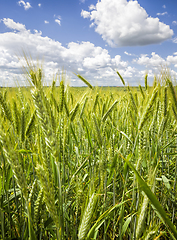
[87,217]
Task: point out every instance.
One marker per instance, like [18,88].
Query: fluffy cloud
[153,62]
[26,5]
[58,20]
[156,62]
[100,60]
[126,23]
[39,5]
[13,25]
[85,14]
[95,63]
[92,7]
[46,22]
[172,59]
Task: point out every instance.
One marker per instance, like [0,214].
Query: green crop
[88,163]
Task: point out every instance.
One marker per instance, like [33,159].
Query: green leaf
[154,201]
[171,154]
[126,223]
[168,144]
[73,133]
[125,135]
[24,151]
[166,182]
[102,218]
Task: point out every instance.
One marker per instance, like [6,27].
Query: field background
[88,163]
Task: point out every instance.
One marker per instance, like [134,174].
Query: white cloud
[118,63]
[162,14]
[58,21]
[13,25]
[99,60]
[174,22]
[164,6]
[26,5]
[92,7]
[129,54]
[174,40]
[85,14]
[174,74]
[46,22]
[126,23]
[93,62]
[92,25]
[39,5]
[172,59]
[39,33]
[154,63]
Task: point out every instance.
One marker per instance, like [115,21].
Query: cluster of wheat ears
[100,166]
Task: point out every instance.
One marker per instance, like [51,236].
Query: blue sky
[89,37]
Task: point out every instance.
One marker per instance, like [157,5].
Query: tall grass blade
[153,199]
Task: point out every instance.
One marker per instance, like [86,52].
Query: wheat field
[94,165]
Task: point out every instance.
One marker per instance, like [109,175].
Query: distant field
[77,91]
